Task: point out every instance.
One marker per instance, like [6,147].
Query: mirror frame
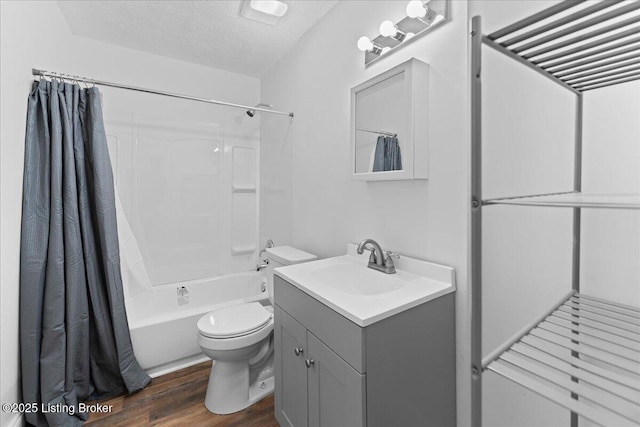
[415,146]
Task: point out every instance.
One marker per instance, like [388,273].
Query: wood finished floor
[177,399]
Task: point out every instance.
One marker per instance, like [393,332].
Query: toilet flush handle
[298,351]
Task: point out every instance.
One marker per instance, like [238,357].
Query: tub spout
[262,266]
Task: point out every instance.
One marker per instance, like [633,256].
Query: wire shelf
[573,200]
[583,45]
[584,355]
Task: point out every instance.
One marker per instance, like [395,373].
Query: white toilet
[239,339]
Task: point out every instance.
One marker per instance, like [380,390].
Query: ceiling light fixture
[265,11]
[271,7]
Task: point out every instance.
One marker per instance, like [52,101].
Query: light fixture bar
[394,36]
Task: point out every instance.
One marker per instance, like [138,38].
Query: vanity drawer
[339,333]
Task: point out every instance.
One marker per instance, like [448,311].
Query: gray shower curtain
[387,156]
[74,336]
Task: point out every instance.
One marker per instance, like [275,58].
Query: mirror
[386,141]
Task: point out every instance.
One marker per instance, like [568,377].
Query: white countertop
[376,295]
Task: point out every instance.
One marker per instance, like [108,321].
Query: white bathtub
[163,323]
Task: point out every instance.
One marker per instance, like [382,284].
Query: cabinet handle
[298,351]
[309,362]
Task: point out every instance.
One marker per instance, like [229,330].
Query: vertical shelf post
[577,186]
[476,222]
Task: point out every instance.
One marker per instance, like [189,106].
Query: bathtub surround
[75,341]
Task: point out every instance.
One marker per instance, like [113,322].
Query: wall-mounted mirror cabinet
[389,124]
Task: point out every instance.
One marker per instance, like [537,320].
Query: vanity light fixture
[389,29]
[422,16]
[417,9]
[366,45]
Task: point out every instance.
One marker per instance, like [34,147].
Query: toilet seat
[234,321]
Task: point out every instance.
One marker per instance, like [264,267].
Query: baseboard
[176,365]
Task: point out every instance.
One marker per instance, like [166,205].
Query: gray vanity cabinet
[291,346]
[336,390]
[316,387]
[398,371]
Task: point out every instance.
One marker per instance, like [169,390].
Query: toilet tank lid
[287,255]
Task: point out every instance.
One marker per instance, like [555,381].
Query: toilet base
[229,390]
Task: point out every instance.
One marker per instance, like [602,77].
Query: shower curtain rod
[43,73]
[380,132]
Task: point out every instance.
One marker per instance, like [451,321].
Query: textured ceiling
[210,33]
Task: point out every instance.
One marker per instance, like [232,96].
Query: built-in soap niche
[390,124]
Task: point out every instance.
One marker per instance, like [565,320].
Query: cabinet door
[291,372]
[336,390]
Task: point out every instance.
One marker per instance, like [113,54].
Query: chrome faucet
[378,260]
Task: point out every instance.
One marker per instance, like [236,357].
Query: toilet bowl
[239,339]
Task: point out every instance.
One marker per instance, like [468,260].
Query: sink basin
[364,295]
[357,279]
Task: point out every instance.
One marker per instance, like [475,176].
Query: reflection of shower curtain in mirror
[387,156]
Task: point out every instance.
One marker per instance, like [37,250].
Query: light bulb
[364,44]
[388,29]
[415,9]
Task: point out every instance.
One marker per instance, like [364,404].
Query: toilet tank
[279,256]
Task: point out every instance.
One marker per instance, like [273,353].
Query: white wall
[425,219]
[35,35]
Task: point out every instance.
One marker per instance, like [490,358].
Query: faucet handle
[388,259]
